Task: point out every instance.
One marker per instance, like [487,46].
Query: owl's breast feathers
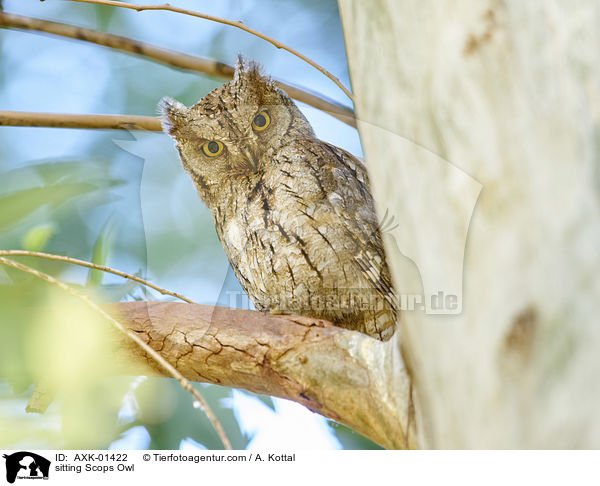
[303,237]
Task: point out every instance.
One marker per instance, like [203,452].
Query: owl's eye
[212,148]
[261,121]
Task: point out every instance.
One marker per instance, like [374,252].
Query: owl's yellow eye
[261,121]
[212,148]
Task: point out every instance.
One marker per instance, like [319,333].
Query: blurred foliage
[119,199]
[163,417]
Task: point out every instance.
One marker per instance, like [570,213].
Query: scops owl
[293,213]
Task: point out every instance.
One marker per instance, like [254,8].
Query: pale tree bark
[338,373]
[502,96]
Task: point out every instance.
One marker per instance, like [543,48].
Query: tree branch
[169,57]
[67,120]
[340,374]
[234,23]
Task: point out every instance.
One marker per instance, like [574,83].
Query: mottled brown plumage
[294,214]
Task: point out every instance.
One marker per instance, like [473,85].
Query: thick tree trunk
[480,124]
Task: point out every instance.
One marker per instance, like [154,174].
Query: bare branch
[130,336]
[67,120]
[169,57]
[103,268]
[343,375]
[233,23]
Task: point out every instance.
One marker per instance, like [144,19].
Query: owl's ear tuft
[173,114]
[248,70]
[243,67]
[240,67]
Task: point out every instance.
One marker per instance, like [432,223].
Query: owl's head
[234,130]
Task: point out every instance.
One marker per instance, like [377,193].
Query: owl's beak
[250,159]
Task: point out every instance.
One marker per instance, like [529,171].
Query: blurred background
[122,199]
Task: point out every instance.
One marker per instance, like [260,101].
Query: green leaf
[16,206]
[52,172]
[100,252]
[36,238]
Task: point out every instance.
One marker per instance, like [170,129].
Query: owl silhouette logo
[26,465]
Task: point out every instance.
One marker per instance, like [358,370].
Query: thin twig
[169,57]
[103,268]
[233,23]
[151,352]
[68,120]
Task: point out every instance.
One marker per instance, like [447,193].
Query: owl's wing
[357,206]
[352,163]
